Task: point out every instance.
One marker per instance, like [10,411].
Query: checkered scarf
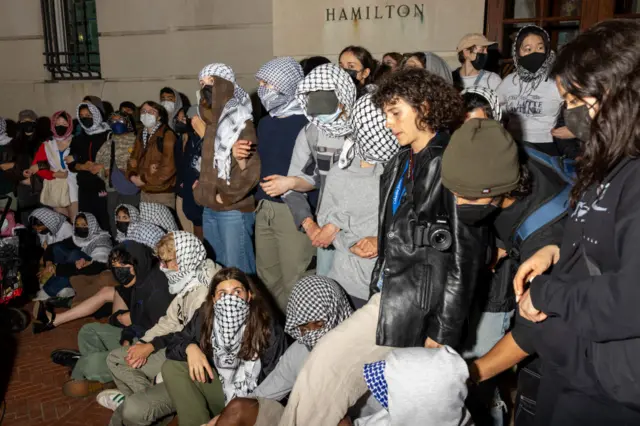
[331,78]
[238,377]
[232,119]
[283,74]
[376,382]
[371,140]
[145,233]
[191,257]
[146,134]
[159,215]
[52,220]
[98,125]
[134,216]
[490,96]
[316,298]
[4,138]
[524,74]
[97,245]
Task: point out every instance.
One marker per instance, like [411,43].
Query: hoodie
[178,107]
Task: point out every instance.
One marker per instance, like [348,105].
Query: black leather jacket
[425,292]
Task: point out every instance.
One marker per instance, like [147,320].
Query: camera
[436,235]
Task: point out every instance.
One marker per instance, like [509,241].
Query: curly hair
[444,110]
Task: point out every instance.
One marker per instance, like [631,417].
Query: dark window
[71,39]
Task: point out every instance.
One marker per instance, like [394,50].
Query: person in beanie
[482,166]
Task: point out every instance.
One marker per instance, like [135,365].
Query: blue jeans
[231,237]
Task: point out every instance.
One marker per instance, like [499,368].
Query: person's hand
[311,228]
[213,421]
[218,199]
[242,150]
[137,353]
[528,311]
[326,236]
[82,263]
[198,364]
[133,163]
[346,421]
[68,159]
[95,168]
[135,179]
[61,175]
[369,246]
[276,185]
[27,173]
[534,266]
[126,343]
[499,255]
[195,184]
[124,319]
[33,169]
[154,168]
[7,166]
[431,344]
[562,133]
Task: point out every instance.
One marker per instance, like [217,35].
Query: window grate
[71,39]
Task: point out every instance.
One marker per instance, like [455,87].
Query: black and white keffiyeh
[526,76]
[159,215]
[49,218]
[238,377]
[97,244]
[4,138]
[316,298]
[134,216]
[371,140]
[191,258]
[98,126]
[490,96]
[329,77]
[145,233]
[283,74]
[232,119]
[146,134]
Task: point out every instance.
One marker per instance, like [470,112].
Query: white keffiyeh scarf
[191,258]
[283,74]
[4,138]
[134,216]
[98,125]
[97,244]
[145,233]
[159,215]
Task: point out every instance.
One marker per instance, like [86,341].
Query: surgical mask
[474,214]
[578,121]
[119,128]
[328,118]
[271,99]
[354,76]
[122,226]
[122,275]
[87,122]
[81,232]
[28,126]
[61,130]
[148,120]
[480,61]
[533,61]
[170,106]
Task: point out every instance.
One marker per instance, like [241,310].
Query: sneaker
[82,388]
[65,357]
[111,399]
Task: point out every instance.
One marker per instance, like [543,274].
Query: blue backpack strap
[547,213]
[564,167]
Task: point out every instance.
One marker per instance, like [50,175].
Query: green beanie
[481,160]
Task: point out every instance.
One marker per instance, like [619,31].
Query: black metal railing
[71,39]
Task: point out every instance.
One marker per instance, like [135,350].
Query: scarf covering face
[145,233]
[52,220]
[232,120]
[4,138]
[490,96]
[371,140]
[239,377]
[134,216]
[191,258]
[97,245]
[526,76]
[69,120]
[316,298]
[159,215]
[438,66]
[98,126]
[329,77]
[283,74]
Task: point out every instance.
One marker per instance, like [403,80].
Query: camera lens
[440,239]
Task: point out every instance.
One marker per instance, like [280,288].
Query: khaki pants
[95,341]
[331,380]
[185,223]
[166,198]
[283,253]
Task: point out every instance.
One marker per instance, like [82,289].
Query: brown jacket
[164,178]
[238,193]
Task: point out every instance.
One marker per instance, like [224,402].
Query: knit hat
[481,160]
[27,114]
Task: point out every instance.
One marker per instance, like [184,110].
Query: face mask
[81,232]
[230,314]
[148,120]
[271,99]
[329,118]
[122,226]
[61,130]
[181,127]
[578,121]
[122,275]
[119,128]
[473,214]
[170,106]
[480,61]
[354,76]
[28,127]
[310,338]
[86,122]
[533,61]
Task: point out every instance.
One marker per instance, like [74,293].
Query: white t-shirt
[488,79]
[65,231]
[532,114]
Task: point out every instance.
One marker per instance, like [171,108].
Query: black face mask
[28,126]
[122,275]
[122,226]
[578,121]
[480,61]
[533,61]
[86,122]
[474,214]
[181,127]
[61,130]
[81,232]
[354,76]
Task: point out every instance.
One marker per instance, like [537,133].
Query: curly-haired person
[428,261]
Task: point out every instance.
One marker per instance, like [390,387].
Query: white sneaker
[110,398]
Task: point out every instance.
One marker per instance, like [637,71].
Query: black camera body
[436,235]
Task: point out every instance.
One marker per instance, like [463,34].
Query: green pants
[283,253]
[196,403]
[95,341]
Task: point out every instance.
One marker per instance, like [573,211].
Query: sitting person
[52,227]
[184,261]
[233,332]
[157,214]
[125,215]
[144,292]
[480,102]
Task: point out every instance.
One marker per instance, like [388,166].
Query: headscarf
[145,233]
[534,79]
[438,66]
[238,377]
[98,126]
[490,96]
[128,120]
[134,216]
[66,116]
[371,140]
[97,244]
[49,218]
[143,259]
[177,109]
[316,298]
[232,120]
[95,100]
[4,138]
[283,74]
[329,77]
[159,215]
[191,258]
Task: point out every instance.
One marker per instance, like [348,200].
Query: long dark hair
[258,331]
[603,63]
[365,58]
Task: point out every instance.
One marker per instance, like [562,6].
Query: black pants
[90,201]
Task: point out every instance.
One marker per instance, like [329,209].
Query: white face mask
[328,118]
[169,106]
[148,120]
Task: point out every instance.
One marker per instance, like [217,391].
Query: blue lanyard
[400,190]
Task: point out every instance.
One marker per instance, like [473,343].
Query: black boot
[42,321]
